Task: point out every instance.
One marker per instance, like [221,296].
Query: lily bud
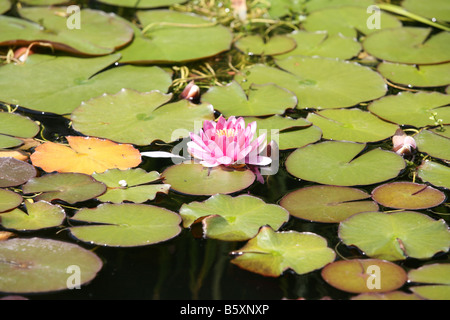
[191,92]
[22,53]
[240,9]
[403,144]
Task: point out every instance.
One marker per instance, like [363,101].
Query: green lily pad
[43,2]
[347,20]
[141,4]
[126,225]
[319,83]
[9,142]
[416,109]
[396,235]
[432,292]
[280,8]
[343,164]
[436,9]
[100,33]
[323,45]
[259,100]
[170,36]
[314,5]
[233,218]
[255,45]
[407,195]
[410,45]
[43,265]
[12,126]
[68,187]
[364,275]
[435,273]
[4,6]
[60,84]
[197,180]
[435,173]
[351,125]
[435,142]
[271,253]
[329,204]
[130,185]
[39,215]
[139,118]
[14,172]
[433,75]
[393,295]
[9,200]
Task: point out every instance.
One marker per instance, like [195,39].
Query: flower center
[226,132]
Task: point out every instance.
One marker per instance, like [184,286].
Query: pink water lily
[228,142]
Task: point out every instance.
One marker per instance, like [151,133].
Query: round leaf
[328,204]
[343,164]
[435,142]
[9,200]
[434,173]
[12,124]
[255,45]
[432,292]
[4,6]
[395,236]
[43,265]
[14,172]
[233,219]
[142,3]
[126,225]
[436,273]
[436,9]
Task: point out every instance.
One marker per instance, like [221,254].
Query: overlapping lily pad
[435,173]
[39,215]
[139,118]
[433,279]
[351,125]
[15,172]
[347,20]
[9,200]
[233,218]
[191,178]
[142,4]
[130,185]
[43,265]
[319,83]
[410,45]
[432,75]
[343,164]
[407,195]
[68,187]
[271,253]
[364,275]
[435,142]
[395,236]
[171,36]
[255,45]
[100,34]
[126,225]
[14,126]
[323,45]
[258,100]
[416,109]
[60,84]
[329,204]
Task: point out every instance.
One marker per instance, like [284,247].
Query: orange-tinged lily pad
[85,155]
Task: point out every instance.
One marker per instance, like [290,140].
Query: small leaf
[14,172]
[9,200]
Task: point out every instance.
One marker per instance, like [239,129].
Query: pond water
[343,94]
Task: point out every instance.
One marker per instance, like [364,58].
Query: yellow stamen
[226,132]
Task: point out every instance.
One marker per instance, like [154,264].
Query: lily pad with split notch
[364,275]
[407,195]
[195,179]
[435,142]
[328,204]
[271,253]
[435,173]
[9,200]
[126,225]
[15,172]
[395,236]
[41,265]
[233,218]
[255,45]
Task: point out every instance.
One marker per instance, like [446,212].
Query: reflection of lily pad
[141,3]
[130,185]
[435,142]
[437,276]
[417,109]
[261,100]
[433,75]
[329,204]
[271,253]
[435,173]
[396,235]
[351,125]
[364,275]
[14,172]
[255,45]
[319,83]
[198,180]
[139,118]
[68,187]
[323,45]
[407,195]
[343,164]
[411,45]
[9,200]
[39,215]
[61,84]
[42,265]
[233,219]
[171,36]
[12,126]
[126,225]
